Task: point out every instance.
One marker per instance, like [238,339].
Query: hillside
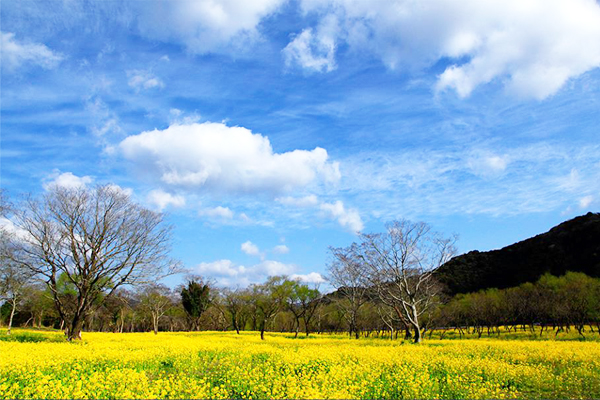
[573,245]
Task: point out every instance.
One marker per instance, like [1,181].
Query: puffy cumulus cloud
[313,277]
[250,248]
[122,190]
[205,25]
[66,180]
[533,46]
[228,273]
[161,199]
[143,80]
[220,268]
[281,249]
[217,212]
[347,218]
[214,156]
[314,50]
[16,54]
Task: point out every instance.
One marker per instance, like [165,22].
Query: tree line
[89,259]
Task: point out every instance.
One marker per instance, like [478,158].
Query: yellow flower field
[225,365]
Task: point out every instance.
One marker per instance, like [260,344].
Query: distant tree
[348,274]
[38,303]
[98,239]
[401,262]
[155,301]
[13,276]
[234,303]
[302,301]
[195,299]
[13,283]
[574,299]
[268,299]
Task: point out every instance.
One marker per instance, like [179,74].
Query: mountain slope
[573,245]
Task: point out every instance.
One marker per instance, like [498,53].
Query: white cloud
[221,268]
[250,248]
[313,277]
[532,46]
[16,54]
[228,273]
[487,164]
[272,268]
[301,202]
[161,199]
[281,249]
[586,201]
[347,218]
[67,180]
[213,156]
[206,25]
[440,181]
[122,190]
[139,79]
[9,227]
[314,51]
[217,212]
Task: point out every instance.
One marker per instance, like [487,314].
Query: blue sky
[269,130]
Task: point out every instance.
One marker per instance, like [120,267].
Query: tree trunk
[74,331]
[297,328]
[263,324]
[155,324]
[418,337]
[12,314]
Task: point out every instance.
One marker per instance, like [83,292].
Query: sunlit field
[225,365]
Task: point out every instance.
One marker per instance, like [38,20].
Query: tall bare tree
[348,274]
[401,263]
[99,239]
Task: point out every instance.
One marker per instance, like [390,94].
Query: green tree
[195,299]
[268,299]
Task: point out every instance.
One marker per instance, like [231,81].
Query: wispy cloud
[17,54]
[444,181]
[143,80]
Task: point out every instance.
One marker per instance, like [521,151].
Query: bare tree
[401,263]
[13,277]
[13,280]
[234,303]
[155,301]
[348,274]
[98,239]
